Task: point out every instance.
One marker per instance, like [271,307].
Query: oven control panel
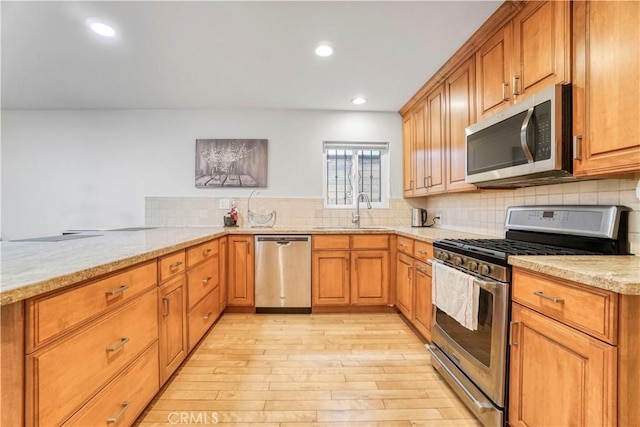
[479,268]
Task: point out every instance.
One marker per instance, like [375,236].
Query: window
[351,168]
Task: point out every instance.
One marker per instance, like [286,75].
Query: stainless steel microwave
[526,144]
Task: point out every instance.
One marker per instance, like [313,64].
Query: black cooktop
[531,243]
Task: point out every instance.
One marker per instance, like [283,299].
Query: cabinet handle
[206,280]
[120,290]
[175,265]
[511,334]
[422,252]
[577,152]
[411,185]
[206,251]
[504,91]
[125,406]
[421,270]
[206,316]
[402,245]
[547,297]
[355,264]
[409,273]
[515,85]
[165,305]
[122,342]
[248,249]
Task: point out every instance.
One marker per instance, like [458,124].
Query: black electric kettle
[418,217]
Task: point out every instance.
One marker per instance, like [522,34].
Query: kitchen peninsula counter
[28,269]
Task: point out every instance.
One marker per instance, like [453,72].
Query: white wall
[93,169]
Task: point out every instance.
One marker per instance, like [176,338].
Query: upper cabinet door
[542,37]
[493,73]
[420,152]
[461,112]
[435,141]
[407,155]
[606,91]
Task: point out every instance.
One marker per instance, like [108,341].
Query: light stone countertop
[617,273]
[28,269]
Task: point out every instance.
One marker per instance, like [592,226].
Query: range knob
[473,266]
[457,260]
[442,255]
[484,269]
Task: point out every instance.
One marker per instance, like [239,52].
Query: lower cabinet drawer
[124,398]
[202,279]
[62,376]
[202,316]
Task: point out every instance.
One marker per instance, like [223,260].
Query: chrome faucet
[355,217]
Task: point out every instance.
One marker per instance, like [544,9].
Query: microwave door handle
[524,139]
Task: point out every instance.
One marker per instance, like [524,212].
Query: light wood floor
[308,370]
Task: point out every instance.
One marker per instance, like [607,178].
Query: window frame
[357,146]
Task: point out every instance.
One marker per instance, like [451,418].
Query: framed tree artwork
[231,163]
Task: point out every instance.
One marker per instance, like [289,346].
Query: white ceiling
[236,54]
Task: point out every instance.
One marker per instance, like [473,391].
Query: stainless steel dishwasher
[283,274]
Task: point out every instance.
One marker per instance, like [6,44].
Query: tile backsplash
[481,212]
[193,211]
[484,212]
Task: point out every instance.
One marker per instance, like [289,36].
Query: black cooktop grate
[502,247]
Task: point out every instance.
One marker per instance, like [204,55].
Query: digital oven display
[547,214]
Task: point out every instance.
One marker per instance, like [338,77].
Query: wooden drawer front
[333,241]
[60,377]
[202,279]
[376,241]
[197,253]
[422,251]
[171,265]
[49,316]
[594,311]
[122,400]
[405,245]
[202,317]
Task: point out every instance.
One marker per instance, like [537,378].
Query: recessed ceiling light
[102,29]
[324,49]
[359,100]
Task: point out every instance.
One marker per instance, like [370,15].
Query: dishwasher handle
[283,240]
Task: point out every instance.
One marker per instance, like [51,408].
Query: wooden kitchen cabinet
[223,273]
[413,283]
[350,270]
[370,277]
[203,289]
[422,306]
[63,375]
[330,277]
[541,47]
[606,90]
[172,314]
[404,285]
[408,144]
[460,113]
[435,142]
[240,273]
[574,351]
[558,375]
[493,73]
[528,54]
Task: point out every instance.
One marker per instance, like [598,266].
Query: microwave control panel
[543,131]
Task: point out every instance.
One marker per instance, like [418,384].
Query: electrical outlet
[223,204]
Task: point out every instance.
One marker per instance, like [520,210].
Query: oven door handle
[487,285]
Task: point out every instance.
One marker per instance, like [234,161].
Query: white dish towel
[455,293]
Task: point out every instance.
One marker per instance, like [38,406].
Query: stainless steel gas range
[474,362]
